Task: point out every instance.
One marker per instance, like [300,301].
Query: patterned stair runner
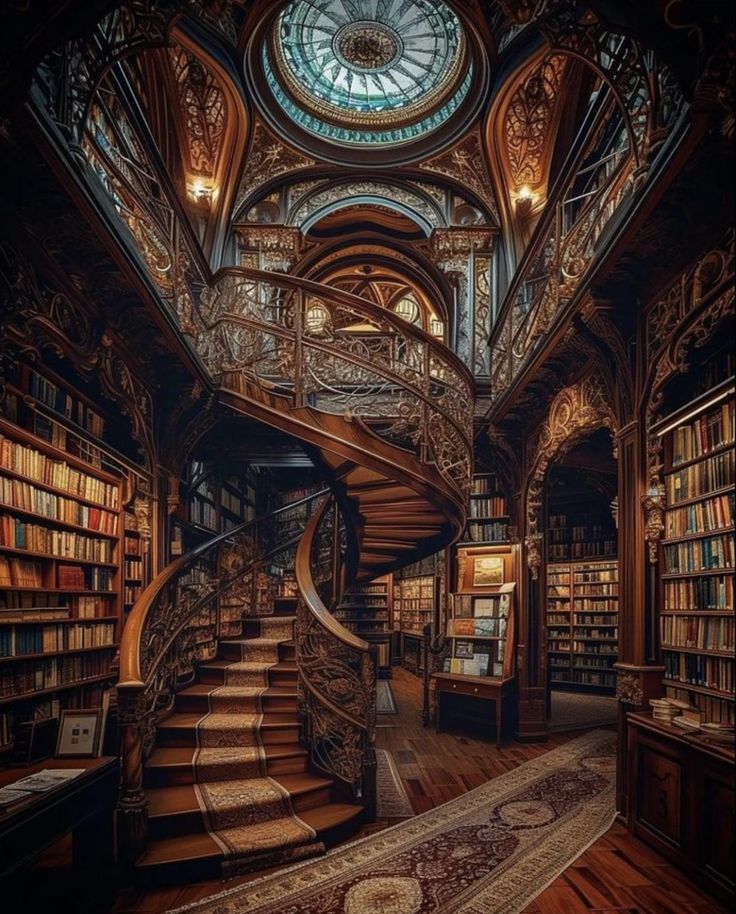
[247,813]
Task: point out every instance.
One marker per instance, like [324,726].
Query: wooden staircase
[180,848]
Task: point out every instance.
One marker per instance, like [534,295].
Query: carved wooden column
[131,815]
[639,676]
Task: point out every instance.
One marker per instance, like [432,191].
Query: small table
[501,692]
[83,806]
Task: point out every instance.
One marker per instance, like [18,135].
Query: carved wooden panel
[659,786]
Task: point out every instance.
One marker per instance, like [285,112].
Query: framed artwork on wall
[487,571]
[80,732]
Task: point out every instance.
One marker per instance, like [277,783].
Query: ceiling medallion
[367,46]
[372,72]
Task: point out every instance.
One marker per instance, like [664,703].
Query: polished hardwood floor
[616,875]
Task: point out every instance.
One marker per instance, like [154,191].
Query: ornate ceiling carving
[465,163]
[203,111]
[528,136]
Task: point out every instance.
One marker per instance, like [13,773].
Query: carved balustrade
[337,670]
[343,355]
[177,622]
[564,247]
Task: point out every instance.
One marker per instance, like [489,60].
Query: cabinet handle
[475,690]
[454,685]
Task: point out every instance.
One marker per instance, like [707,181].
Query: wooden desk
[83,806]
[502,692]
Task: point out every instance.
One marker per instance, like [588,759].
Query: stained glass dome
[368,71]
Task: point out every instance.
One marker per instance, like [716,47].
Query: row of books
[416,604]
[713,709]
[594,663]
[703,632]
[20,573]
[701,478]
[608,633]
[699,555]
[596,576]
[203,513]
[594,619]
[588,604]
[63,403]
[488,532]
[18,534]
[585,550]
[597,590]
[20,678]
[701,670]
[14,493]
[704,434]
[714,592]
[488,506]
[32,464]
[600,679]
[16,640]
[701,517]
[577,533]
[483,485]
[131,592]
[38,604]
[132,545]
[75,577]
[478,628]
[594,647]
[558,619]
[133,568]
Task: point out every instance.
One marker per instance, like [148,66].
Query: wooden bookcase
[489,519]
[68,565]
[582,625]
[365,610]
[696,606]
[416,603]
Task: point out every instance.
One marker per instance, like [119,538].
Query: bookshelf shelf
[696,618]
[365,611]
[65,687]
[43,655]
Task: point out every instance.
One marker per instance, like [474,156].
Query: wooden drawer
[460,687]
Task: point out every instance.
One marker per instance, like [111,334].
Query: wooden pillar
[639,675]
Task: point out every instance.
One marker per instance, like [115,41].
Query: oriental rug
[385,701]
[248,814]
[491,851]
[393,800]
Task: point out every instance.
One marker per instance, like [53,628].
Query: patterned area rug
[248,814]
[385,701]
[393,800]
[575,711]
[491,851]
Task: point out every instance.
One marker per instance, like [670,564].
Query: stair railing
[343,355]
[337,671]
[190,604]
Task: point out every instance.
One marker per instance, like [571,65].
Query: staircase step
[175,810]
[284,606]
[281,675]
[181,730]
[173,765]
[233,650]
[195,699]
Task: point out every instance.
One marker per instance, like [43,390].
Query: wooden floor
[617,875]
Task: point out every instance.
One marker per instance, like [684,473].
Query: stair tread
[183,755]
[188,720]
[181,798]
[205,688]
[282,666]
[330,815]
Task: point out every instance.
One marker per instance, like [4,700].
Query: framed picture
[464,649]
[80,733]
[487,570]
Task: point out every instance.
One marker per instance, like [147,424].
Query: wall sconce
[525,199]
[200,191]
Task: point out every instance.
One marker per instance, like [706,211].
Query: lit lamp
[200,191]
[525,198]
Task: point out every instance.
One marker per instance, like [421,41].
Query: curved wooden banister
[146,604]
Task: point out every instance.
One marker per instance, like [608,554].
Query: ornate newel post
[132,809]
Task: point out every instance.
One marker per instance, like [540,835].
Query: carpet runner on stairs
[248,814]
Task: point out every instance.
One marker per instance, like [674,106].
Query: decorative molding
[629,689]
[526,128]
[465,163]
[278,247]
[575,412]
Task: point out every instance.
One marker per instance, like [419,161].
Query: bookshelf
[488,520]
[67,561]
[416,603]
[365,610]
[696,605]
[582,625]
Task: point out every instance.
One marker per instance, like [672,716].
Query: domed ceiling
[368,72]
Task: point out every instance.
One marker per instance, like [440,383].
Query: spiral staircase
[386,411]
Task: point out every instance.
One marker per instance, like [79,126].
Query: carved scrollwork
[575,412]
[629,688]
